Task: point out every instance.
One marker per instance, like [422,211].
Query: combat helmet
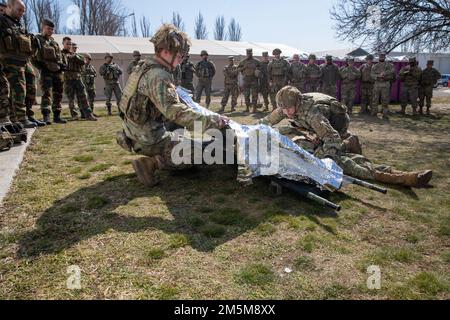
[276,51]
[108,55]
[170,38]
[312,57]
[289,96]
[87,55]
[204,53]
[136,53]
[370,57]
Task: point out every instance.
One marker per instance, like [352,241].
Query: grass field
[200,235]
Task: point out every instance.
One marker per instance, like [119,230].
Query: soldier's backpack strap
[132,85]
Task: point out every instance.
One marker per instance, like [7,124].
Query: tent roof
[103,44]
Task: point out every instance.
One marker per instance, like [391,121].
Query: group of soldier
[268,76]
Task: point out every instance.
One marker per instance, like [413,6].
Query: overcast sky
[305,25]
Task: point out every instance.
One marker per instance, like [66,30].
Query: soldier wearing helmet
[278,71]
[383,73]
[313,75]
[248,68]
[330,76]
[89,74]
[231,74]
[366,84]
[410,76]
[349,75]
[205,70]
[428,79]
[135,62]
[111,72]
[151,103]
[264,80]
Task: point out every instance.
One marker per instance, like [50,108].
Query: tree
[234,31]
[177,21]
[27,17]
[219,29]
[388,24]
[200,28]
[45,9]
[145,27]
[134,30]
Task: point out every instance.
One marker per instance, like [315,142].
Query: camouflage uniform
[263,79]
[231,74]
[249,67]
[88,76]
[366,85]
[187,74]
[205,71]
[30,96]
[383,73]
[4,97]
[330,77]
[137,60]
[73,85]
[313,74]
[111,74]
[410,76]
[349,75]
[278,71]
[17,46]
[428,79]
[297,75]
[50,61]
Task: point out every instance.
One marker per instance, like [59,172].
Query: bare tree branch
[234,31]
[177,21]
[145,27]
[219,29]
[200,28]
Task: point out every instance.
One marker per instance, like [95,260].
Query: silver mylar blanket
[292,162]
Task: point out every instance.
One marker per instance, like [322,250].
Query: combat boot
[407,179]
[420,110]
[37,122]
[145,169]
[233,108]
[414,111]
[385,114]
[27,124]
[402,111]
[109,110]
[363,110]
[254,109]
[247,109]
[57,118]
[47,119]
[222,110]
[90,117]
[428,111]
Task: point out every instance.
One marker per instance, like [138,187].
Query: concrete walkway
[9,164]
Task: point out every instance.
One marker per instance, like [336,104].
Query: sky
[305,25]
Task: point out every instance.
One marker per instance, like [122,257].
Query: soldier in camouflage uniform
[88,76]
[297,73]
[73,85]
[313,74]
[135,62]
[150,102]
[111,73]
[51,62]
[366,84]
[349,74]
[320,125]
[205,71]
[251,71]
[30,96]
[187,74]
[410,76]
[427,81]
[17,46]
[330,76]
[383,73]
[263,79]
[231,74]
[278,71]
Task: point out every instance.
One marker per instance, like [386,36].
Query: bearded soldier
[383,73]
[187,74]
[427,81]
[251,71]
[88,76]
[313,75]
[278,71]
[366,84]
[231,74]
[297,73]
[263,79]
[349,74]
[319,125]
[151,102]
[111,72]
[205,71]
[410,76]
[330,76]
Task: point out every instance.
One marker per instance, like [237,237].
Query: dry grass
[76,201]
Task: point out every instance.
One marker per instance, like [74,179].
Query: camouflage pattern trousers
[348,92]
[329,89]
[233,90]
[312,85]
[265,90]
[109,89]
[409,94]
[250,88]
[52,86]
[366,96]
[31,88]
[91,94]
[381,90]
[75,88]
[299,85]
[17,90]
[277,85]
[425,92]
[188,85]
[203,84]
[4,97]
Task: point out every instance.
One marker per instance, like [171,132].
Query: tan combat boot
[407,179]
[145,169]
